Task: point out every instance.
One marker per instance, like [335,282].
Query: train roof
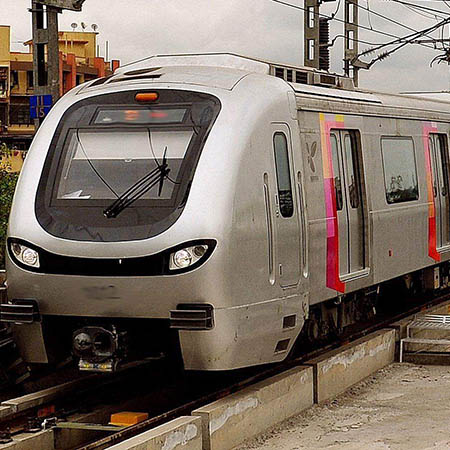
[225,70]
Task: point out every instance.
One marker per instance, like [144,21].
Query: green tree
[7,185]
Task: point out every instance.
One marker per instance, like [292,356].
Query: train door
[349,205]
[286,221]
[440,168]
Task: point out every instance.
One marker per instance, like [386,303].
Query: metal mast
[46,74]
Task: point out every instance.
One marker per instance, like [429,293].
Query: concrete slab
[229,421]
[43,440]
[400,407]
[47,395]
[337,370]
[184,433]
[6,411]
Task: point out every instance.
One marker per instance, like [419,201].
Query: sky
[257,28]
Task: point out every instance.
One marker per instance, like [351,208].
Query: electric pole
[351,39]
[46,73]
[316,37]
[311,33]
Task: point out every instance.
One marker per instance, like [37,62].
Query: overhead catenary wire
[410,39]
[383,33]
[396,22]
[423,8]
[426,14]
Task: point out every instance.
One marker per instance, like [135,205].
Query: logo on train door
[311,153]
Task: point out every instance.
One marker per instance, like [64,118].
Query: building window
[20,115]
[14,79]
[4,81]
[30,81]
[400,173]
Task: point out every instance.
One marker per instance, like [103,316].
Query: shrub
[7,185]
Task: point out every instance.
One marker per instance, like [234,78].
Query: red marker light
[158,114]
[132,115]
[147,97]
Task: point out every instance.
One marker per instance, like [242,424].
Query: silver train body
[279,197]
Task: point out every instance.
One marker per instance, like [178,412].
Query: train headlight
[25,255]
[182,259]
[186,257]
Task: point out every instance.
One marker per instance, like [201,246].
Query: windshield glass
[118,169]
[103,164]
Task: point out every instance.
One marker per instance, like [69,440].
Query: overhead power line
[410,39]
[337,19]
[421,7]
[388,19]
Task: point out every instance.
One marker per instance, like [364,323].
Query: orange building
[78,63]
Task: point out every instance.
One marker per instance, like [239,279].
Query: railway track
[85,405]
[13,370]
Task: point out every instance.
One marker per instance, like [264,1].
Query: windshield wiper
[138,189]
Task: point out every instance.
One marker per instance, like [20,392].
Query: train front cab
[263,302]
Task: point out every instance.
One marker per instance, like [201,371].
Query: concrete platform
[400,326]
[229,421]
[415,354]
[184,433]
[337,370]
[400,407]
[43,440]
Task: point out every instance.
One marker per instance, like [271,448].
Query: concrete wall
[184,433]
[338,370]
[229,421]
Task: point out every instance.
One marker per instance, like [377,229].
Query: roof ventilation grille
[301,77]
[325,80]
[136,77]
[312,77]
[279,72]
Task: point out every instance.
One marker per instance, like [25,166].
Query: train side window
[336,172]
[352,176]
[283,175]
[400,172]
[443,147]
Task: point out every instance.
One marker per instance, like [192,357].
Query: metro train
[213,207]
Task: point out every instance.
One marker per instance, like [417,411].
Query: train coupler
[99,349]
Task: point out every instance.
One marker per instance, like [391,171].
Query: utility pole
[45,42]
[46,72]
[311,33]
[351,39]
[316,37]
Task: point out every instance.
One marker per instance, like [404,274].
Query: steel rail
[187,408]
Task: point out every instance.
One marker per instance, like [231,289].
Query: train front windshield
[105,164]
[121,170]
